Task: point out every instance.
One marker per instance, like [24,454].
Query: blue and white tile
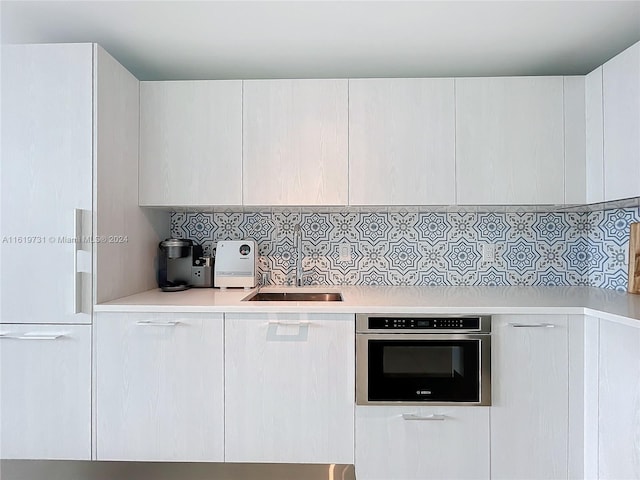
[462,226]
[343,227]
[315,256]
[521,256]
[432,277]
[615,225]
[617,280]
[285,222]
[403,225]
[550,277]
[462,257]
[403,256]
[432,227]
[315,276]
[257,226]
[374,276]
[228,226]
[583,257]
[433,256]
[492,278]
[343,264]
[491,227]
[550,227]
[521,224]
[316,228]
[373,227]
[551,256]
[403,279]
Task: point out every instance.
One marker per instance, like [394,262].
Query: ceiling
[174,40]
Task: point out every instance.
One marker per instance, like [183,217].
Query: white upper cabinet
[621,110]
[594,137]
[191,143]
[575,169]
[295,142]
[509,140]
[401,141]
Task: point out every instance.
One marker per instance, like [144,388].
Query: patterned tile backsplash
[413,247]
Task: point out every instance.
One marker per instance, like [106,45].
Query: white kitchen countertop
[599,302]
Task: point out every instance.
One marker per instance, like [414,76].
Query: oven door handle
[432,417]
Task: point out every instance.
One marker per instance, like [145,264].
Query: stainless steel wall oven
[423,359]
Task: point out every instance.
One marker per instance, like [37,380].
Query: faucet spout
[297,237]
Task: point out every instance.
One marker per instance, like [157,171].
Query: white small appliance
[235,264]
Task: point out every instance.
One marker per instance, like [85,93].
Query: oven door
[435,369]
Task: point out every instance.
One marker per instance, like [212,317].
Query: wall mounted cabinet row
[352,142]
[429,141]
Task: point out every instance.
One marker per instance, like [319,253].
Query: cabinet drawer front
[422,443]
[46,391]
[289,382]
[159,383]
[530,387]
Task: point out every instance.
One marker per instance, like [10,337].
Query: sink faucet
[297,238]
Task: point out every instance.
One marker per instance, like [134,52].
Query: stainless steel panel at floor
[72,470]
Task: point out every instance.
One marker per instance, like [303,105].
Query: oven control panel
[426,323]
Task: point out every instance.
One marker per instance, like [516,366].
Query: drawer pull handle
[432,417]
[151,323]
[290,324]
[532,325]
[33,336]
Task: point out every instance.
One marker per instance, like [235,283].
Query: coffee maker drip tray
[174,287]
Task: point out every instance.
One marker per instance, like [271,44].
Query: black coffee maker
[181,265]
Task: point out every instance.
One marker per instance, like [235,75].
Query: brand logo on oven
[423,392]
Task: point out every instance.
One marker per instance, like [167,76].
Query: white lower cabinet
[407,443]
[530,383]
[619,402]
[45,394]
[159,386]
[289,387]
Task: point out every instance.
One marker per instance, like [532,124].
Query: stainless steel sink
[295,297]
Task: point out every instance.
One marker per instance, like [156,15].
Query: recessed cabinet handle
[532,325]
[153,323]
[33,336]
[432,417]
[77,276]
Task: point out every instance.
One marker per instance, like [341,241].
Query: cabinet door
[621,110]
[529,413]
[295,142]
[509,140]
[594,136]
[191,143]
[619,401]
[159,387]
[45,391]
[401,142]
[289,386]
[422,443]
[47,152]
